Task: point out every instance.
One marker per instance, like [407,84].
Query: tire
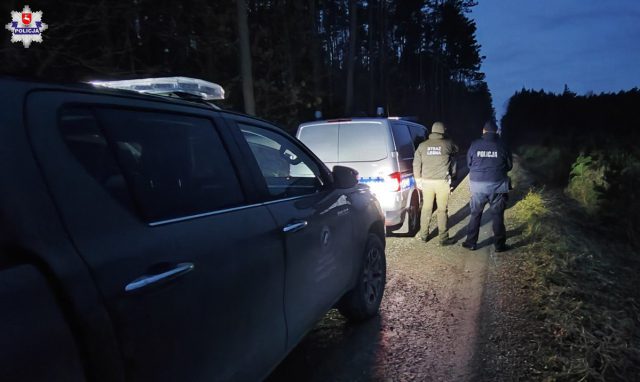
[411,222]
[363,301]
[414,217]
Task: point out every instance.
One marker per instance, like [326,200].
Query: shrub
[530,211]
[588,184]
[607,185]
[550,164]
[620,205]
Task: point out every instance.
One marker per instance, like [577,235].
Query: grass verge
[584,292]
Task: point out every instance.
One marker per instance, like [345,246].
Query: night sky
[590,45]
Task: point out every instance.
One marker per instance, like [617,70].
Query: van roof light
[410,118]
[165,85]
[380,111]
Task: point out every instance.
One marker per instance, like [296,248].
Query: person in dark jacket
[489,161]
[434,167]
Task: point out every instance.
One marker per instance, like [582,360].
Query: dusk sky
[590,45]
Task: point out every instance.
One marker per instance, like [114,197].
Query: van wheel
[363,301]
[414,217]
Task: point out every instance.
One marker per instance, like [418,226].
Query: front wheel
[363,301]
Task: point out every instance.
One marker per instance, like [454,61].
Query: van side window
[404,143]
[418,134]
[287,170]
[174,166]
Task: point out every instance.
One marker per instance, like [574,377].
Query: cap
[438,127]
[490,127]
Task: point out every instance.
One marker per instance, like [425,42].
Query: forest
[582,225]
[586,144]
[279,59]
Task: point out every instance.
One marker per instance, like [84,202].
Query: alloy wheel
[373,275]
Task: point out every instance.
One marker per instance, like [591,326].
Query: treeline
[342,57]
[577,122]
[588,144]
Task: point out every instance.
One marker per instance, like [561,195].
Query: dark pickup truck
[144,238]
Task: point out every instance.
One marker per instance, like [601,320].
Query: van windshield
[362,142]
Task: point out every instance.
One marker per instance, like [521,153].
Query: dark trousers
[497,204]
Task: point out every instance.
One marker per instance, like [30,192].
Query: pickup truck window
[83,137]
[287,170]
[173,165]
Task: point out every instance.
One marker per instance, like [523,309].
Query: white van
[381,150]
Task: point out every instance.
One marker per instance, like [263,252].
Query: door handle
[295,226]
[145,280]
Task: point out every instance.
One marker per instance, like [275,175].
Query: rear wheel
[411,222]
[363,301]
[414,216]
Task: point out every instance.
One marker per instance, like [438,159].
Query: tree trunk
[372,90]
[245,59]
[315,53]
[351,59]
[290,74]
[382,93]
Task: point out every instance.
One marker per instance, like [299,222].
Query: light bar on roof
[206,90]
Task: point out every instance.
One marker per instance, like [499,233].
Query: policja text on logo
[26,26]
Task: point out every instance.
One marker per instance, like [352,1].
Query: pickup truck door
[155,200]
[37,343]
[315,221]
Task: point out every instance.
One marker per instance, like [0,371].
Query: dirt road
[428,326]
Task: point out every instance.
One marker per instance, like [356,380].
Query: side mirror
[344,177]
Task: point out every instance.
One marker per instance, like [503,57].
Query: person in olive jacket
[434,168]
[489,161]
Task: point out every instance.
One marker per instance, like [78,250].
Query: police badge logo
[26,26]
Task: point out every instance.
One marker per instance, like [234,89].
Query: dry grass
[584,291]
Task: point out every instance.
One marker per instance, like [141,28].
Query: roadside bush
[620,205]
[588,184]
[530,211]
[551,164]
[607,186]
